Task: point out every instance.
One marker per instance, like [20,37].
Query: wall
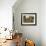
[6,13]
[29,32]
[43,22]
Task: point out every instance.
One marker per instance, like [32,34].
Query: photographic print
[28,18]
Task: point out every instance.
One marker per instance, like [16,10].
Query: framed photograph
[28,19]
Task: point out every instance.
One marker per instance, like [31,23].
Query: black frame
[29,14]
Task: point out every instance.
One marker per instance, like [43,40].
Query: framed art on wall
[28,18]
